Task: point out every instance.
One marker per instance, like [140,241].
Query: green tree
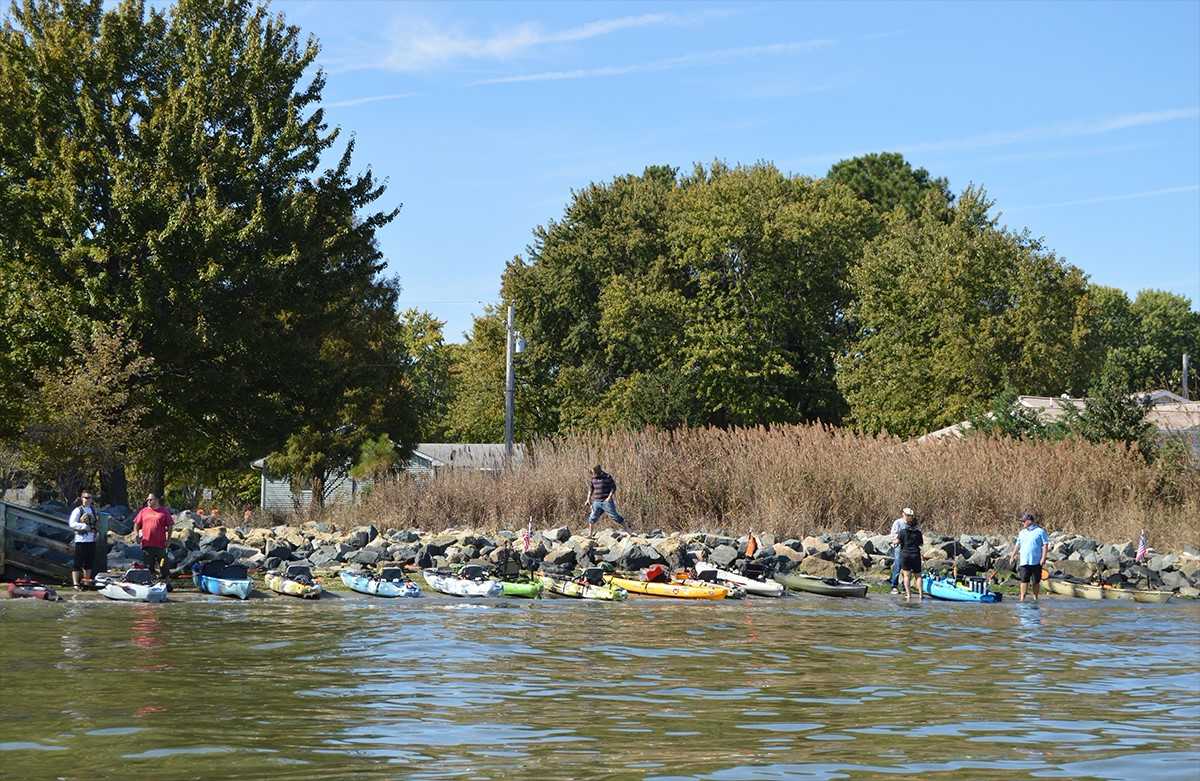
[950,312]
[887,181]
[376,458]
[162,166]
[1161,327]
[429,375]
[715,298]
[1114,413]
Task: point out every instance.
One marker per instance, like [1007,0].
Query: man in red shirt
[152,527]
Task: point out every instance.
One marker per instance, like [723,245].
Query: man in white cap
[897,525]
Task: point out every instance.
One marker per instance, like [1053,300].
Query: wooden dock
[42,544]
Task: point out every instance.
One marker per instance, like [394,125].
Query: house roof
[467,455]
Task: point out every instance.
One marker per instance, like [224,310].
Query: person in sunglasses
[83,522]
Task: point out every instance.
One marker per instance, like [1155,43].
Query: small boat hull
[222,587]
[292,588]
[376,587]
[1115,592]
[1157,597]
[522,589]
[672,590]
[573,588]
[1087,591]
[462,587]
[731,591]
[134,592]
[951,591]
[1061,587]
[827,587]
[29,590]
[758,588]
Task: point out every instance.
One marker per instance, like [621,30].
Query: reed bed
[797,480]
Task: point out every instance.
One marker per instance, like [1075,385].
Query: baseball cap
[907,511]
[1027,517]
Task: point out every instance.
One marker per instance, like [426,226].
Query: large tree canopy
[161,167]
[715,298]
[887,181]
[950,312]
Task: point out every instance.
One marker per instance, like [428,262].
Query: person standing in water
[83,522]
[1032,546]
[898,524]
[911,540]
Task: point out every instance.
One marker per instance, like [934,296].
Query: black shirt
[911,540]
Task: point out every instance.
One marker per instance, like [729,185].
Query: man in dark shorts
[83,523]
[1032,546]
[152,528]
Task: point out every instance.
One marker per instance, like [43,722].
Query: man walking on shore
[898,525]
[151,528]
[1032,545]
[600,498]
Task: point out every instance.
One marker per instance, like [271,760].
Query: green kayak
[825,586]
[524,588]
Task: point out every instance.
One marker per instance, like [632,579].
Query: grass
[798,480]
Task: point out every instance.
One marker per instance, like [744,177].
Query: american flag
[527,537]
[1143,549]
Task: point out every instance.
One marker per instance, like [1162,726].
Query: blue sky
[1082,120]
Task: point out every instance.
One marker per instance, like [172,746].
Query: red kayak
[31,589]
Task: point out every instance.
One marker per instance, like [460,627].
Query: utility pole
[1185,377]
[509,382]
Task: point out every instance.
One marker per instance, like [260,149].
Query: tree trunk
[114,485]
[318,495]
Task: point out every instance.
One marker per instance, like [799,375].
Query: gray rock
[1189,592]
[561,534]
[1174,580]
[1074,569]
[723,556]
[405,554]
[240,551]
[618,551]
[214,540]
[716,540]
[879,544]
[1160,561]
[559,557]
[982,556]
[640,557]
[813,565]
[324,556]
[280,551]
[438,545]
[673,552]
[367,556]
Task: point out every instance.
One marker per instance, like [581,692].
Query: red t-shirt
[155,525]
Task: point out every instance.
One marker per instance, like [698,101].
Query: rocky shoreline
[863,555]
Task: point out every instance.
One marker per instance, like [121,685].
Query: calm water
[805,688]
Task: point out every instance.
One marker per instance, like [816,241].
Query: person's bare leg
[1022,597]
[75,578]
[1037,590]
[904,577]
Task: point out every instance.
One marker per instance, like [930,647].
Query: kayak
[135,586]
[953,591]
[758,588]
[1088,591]
[1116,592]
[731,591]
[574,588]
[1061,587]
[296,581]
[1152,596]
[828,587]
[389,583]
[224,580]
[31,589]
[676,590]
[462,587]
[528,589]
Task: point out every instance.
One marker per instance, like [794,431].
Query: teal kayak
[953,591]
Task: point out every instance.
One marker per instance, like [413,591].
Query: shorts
[911,562]
[85,556]
[154,558]
[1030,573]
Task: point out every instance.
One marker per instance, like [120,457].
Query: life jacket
[655,573]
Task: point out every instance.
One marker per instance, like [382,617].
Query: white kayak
[135,586]
[462,587]
[759,588]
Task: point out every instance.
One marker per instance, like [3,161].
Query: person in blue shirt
[1032,546]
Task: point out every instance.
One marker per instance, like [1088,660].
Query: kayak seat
[593,576]
[139,577]
[752,569]
[391,573]
[473,572]
[707,575]
[508,568]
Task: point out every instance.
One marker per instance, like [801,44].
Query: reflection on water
[807,688]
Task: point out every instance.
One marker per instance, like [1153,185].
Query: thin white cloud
[420,44]
[714,57]
[1187,188]
[1060,130]
[370,99]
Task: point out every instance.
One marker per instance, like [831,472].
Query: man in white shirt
[83,523]
[897,525]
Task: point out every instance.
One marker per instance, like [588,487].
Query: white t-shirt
[83,532]
[898,524]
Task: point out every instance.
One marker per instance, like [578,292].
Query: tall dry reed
[797,480]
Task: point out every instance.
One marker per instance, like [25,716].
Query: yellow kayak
[676,590]
[280,584]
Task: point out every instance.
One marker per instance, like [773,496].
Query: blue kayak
[954,591]
[224,580]
[389,583]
